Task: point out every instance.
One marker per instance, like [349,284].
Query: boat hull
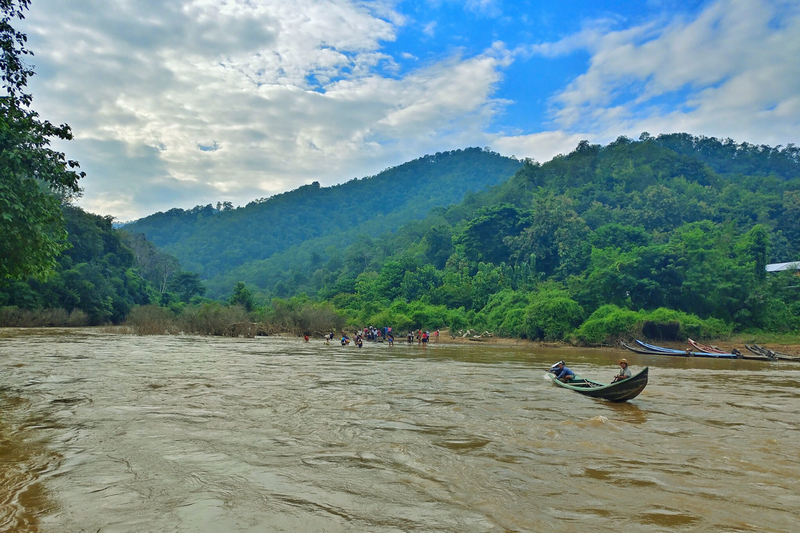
[620,391]
[644,351]
[704,348]
[771,355]
[670,351]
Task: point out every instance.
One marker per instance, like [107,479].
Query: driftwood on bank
[471,335]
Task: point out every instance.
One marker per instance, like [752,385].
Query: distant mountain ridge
[213,241]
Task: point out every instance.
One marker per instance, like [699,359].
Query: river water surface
[110,433]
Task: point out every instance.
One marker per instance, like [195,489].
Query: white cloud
[586,39]
[194,101]
[539,146]
[182,102]
[490,8]
[731,71]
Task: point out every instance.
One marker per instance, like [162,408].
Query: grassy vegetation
[212,318]
[14,317]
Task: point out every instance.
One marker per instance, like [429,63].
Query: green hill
[214,241]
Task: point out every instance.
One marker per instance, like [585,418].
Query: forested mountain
[666,237]
[211,241]
[605,235]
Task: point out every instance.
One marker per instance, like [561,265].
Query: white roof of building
[779,267]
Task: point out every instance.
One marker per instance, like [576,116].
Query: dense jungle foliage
[95,280]
[102,274]
[590,246]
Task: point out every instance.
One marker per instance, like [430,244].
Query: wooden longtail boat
[754,350]
[779,355]
[705,348]
[678,353]
[661,349]
[620,391]
[688,353]
[640,350]
[774,356]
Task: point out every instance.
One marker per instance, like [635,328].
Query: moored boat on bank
[687,353]
[770,354]
[705,347]
[669,352]
[640,350]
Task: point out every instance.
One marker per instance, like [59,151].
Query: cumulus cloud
[730,71]
[185,102]
[539,146]
[490,8]
[193,101]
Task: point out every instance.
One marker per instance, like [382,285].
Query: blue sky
[183,102]
[441,29]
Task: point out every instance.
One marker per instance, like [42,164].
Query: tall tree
[484,237]
[34,179]
[242,296]
[156,266]
[186,285]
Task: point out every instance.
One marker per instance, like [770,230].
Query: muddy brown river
[113,433]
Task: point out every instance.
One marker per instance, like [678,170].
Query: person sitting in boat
[624,372]
[562,373]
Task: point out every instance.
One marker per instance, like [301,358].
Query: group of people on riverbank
[383,334]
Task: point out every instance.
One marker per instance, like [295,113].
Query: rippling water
[100,432]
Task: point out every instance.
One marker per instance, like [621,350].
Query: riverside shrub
[606,325]
[495,314]
[777,316]
[399,321]
[690,325]
[552,318]
[457,319]
[218,320]
[151,320]
[513,324]
[610,323]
